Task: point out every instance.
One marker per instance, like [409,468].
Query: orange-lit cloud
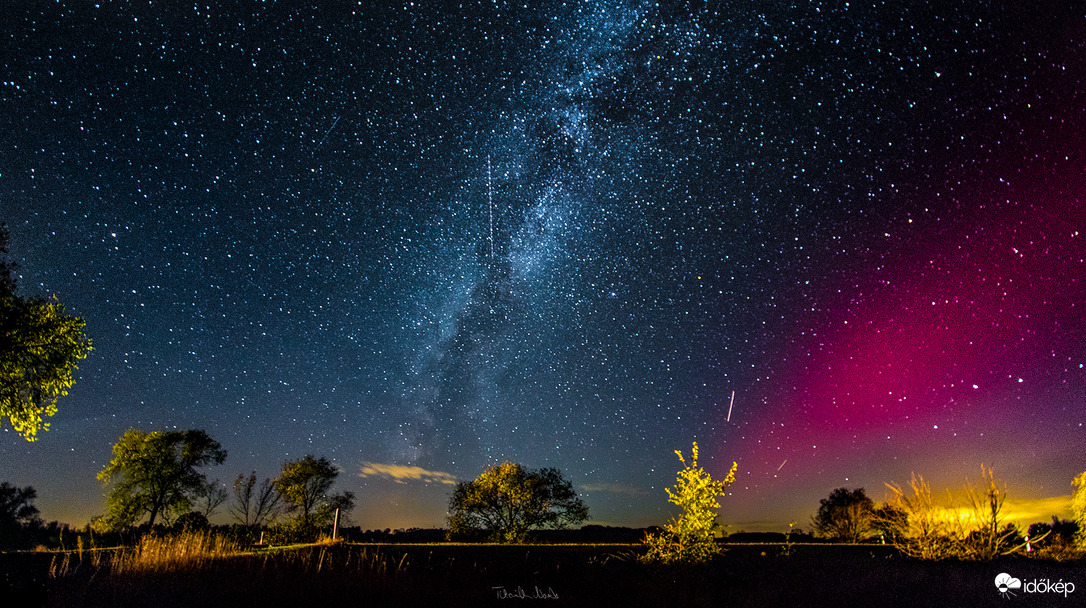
[403,474]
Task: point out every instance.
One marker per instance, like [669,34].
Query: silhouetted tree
[39,347]
[690,537]
[890,521]
[507,502]
[156,474]
[1054,540]
[304,487]
[846,515]
[17,513]
[193,520]
[1064,528]
[254,506]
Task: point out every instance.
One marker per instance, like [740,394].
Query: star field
[440,236]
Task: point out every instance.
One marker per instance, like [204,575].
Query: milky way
[439,237]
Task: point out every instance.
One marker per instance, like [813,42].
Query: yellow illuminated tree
[690,537]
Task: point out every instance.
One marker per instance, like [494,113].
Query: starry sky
[418,238]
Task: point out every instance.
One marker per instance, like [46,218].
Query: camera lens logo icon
[1005,583]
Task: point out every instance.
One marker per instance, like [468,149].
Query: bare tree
[927,533]
[976,531]
[210,497]
[254,506]
[990,535]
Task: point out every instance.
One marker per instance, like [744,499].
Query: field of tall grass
[200,569]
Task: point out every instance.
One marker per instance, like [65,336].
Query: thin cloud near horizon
[614,488]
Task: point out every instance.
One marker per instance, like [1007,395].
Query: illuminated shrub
[690,537]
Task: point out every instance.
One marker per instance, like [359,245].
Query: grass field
[567,575]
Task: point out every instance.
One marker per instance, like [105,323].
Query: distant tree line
[590,533]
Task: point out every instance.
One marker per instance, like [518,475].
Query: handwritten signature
[520,594]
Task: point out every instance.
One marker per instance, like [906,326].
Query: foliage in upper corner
[39,348]
[507,501]
[690,537]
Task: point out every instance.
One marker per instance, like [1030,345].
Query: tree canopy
[155,474]
[304,486]
[39,347]
[508,501]
[690,537]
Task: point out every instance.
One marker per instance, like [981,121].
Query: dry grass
[184,551]
[418,575]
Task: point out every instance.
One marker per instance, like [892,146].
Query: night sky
[421,238]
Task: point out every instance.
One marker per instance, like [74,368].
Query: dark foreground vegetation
[339,575]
